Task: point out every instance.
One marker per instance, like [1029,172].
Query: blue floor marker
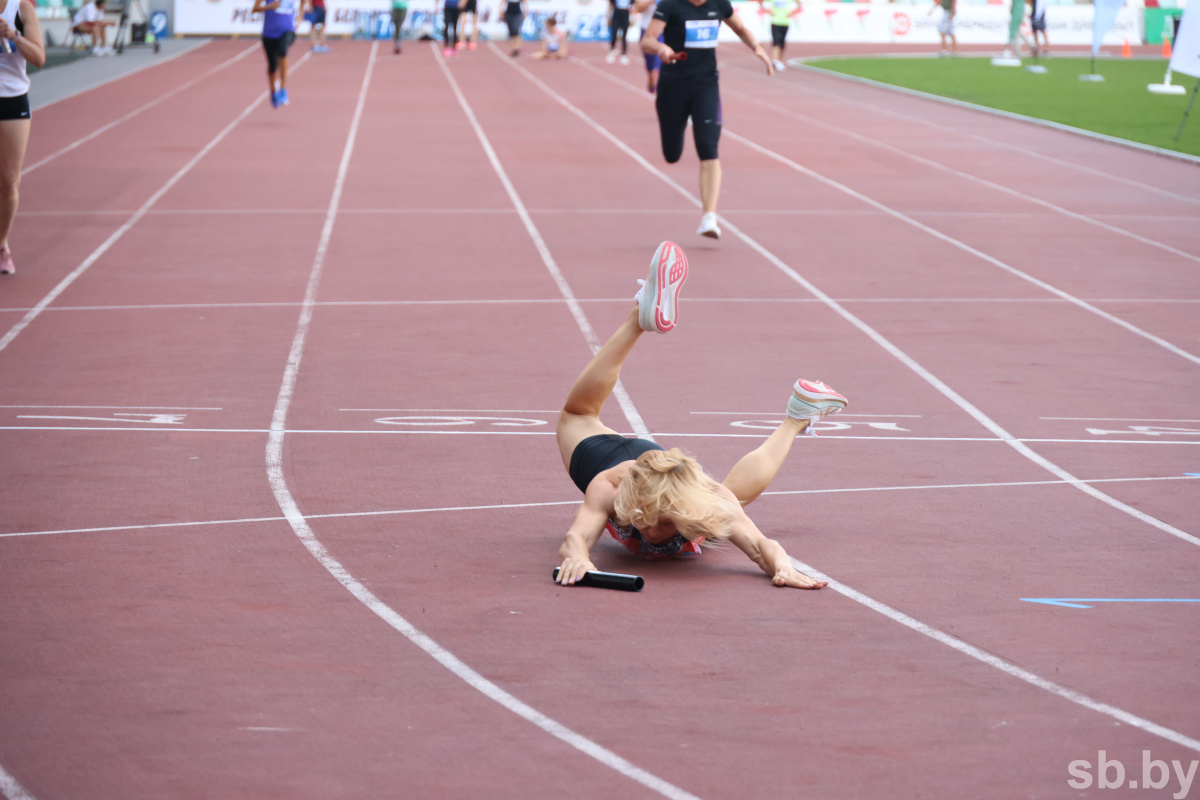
[1077,602]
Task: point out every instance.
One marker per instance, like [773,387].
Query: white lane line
[126,408]
[866,329]
[676,434]
[776,413]
[575,502]
[299,524]
[1117,419]
[593,341]
[460,410]
[62,286]
[1001,664]
[897,215]
[1179,351]
[11,788]
[845,132]
[139,110]
[950,129]
[595,300]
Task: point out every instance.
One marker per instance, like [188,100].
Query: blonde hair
[666,484]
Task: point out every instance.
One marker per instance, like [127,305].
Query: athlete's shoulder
[724,9]
[666,9]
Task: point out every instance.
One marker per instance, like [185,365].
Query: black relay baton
[609,580]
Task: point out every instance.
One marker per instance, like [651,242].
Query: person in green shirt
[399,12]
[781,12]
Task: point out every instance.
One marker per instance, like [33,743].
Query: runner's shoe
[7,267]
[708,226]
[447,52]
[283,98]
[471,45]
[624,61]
[275,99]
[812,400]
[658,299]
[611,57]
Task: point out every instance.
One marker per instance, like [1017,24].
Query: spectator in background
[450,28]
[781,12]
[514,18]
[618,28]
[470,14]
[90,20]
[1037,21]
[946,26]
[645,12]
[554,42]
[399,12]
[316,16]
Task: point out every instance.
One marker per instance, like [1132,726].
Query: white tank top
[13,80]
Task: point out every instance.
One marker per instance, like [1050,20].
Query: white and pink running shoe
[658,299]
[6,261]
[812,400]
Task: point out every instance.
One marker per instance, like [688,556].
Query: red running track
[242,337]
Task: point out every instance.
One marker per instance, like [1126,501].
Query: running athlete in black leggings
[618,29]
[688,86]
[450,28]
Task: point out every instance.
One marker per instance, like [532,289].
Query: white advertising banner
[587,20]
[1185,57]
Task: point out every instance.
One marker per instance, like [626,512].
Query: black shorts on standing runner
[689,88]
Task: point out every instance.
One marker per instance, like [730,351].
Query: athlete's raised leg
[810,401]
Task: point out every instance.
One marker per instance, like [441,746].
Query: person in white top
[90,20]
[20,42]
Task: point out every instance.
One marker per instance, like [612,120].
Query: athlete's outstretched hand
[766,59]
[790,576]
[572,569]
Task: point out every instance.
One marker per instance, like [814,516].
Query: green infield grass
[1120,106]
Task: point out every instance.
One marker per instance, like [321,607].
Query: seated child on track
[554,42]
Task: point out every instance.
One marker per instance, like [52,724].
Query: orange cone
[1166,47]
[1126,50]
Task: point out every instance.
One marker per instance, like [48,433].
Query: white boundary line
[975,179]
[944,638]
[62,286]
[11,788]
[900,216]
[139,110]
[575,502]
[556,301]
[158,62]
[158,427]
[299,524]
[1001,664]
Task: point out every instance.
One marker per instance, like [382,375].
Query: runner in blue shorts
[279,31]
[645,12]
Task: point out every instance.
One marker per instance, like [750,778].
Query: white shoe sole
[659,308]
